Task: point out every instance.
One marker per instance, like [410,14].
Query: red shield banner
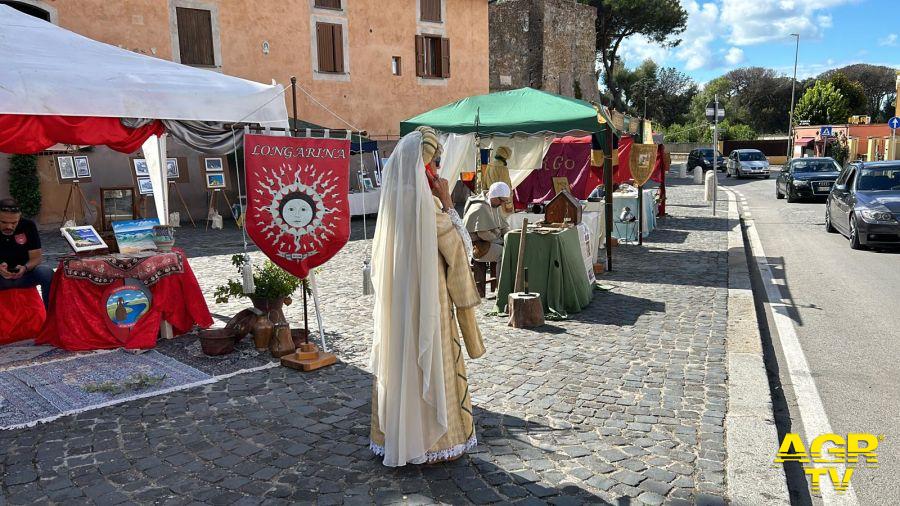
[298,211]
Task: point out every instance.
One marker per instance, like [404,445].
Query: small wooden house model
[564,209]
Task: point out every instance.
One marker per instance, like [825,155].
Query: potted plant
[273,284]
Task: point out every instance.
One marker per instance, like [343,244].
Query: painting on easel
[215,181]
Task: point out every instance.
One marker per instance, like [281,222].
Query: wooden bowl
[215,342]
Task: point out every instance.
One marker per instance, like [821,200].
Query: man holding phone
[20,252]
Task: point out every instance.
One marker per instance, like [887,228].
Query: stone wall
[545,44]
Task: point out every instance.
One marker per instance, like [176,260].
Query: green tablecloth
[555,270]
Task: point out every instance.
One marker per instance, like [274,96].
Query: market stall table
[365,203]
[555,270]
[101,302]
[620,200]
[593,220]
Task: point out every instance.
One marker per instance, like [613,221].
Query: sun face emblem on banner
[298,210]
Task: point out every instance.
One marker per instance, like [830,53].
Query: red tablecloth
[21,314]
[76,322]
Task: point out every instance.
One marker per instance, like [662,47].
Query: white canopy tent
[50,71]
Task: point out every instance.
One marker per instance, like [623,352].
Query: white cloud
[694,49]
[734,56]
[637,48]
[759,21]
[890,40]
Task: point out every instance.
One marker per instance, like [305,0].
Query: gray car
[864,204]
[747,162]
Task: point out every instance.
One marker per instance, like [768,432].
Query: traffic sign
[826,131]
[804,122]
[894,123]
[712,113]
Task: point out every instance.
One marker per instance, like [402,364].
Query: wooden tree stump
[525,310]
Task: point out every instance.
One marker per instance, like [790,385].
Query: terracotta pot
[216,342]
[281,343]
[274,308]
[263,330]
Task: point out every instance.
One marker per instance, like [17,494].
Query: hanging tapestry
[298,210]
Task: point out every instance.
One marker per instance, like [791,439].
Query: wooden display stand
[308,357]
[173,185]
[525,309]
[74,188]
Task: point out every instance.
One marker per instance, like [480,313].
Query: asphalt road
[845,310]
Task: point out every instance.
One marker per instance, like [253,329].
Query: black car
[864,204]
[703,158]
[807,178]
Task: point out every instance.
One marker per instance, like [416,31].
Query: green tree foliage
[761,98]
[822,104]
[660,21]
[24,183]
[878,84]
[852,91]
[667,91]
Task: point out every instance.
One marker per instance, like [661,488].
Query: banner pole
[294,103]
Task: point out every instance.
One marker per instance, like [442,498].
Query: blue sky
[725,34]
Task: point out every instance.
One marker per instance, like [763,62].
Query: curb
[750,433]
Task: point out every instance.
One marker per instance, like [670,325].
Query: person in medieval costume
[425,298]
[498,172]
[485,222]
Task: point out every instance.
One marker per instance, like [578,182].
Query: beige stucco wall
[372,98]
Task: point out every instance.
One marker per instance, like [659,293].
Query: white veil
[407,358]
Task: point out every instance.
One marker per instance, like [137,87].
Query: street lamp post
[793,88]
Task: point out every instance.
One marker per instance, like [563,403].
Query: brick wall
[545,44]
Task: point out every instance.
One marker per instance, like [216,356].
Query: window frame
[337,49]
[213,9]
[429,44]
[340,6]
[420,14]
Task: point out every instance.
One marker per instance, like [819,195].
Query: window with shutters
[330,45]
[430,10]
[328,4]
[432,57]
[195,37]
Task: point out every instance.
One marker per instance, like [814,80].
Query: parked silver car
[747,162]
[864,204]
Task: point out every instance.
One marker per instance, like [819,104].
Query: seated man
[486,223]
[20,252]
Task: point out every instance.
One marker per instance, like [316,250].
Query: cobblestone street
[622,403]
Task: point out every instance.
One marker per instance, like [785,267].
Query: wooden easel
[214,203]
[75,188]
[172,184]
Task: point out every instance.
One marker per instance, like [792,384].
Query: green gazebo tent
[524,110]
[528,111]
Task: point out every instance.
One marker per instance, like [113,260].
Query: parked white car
[747,162]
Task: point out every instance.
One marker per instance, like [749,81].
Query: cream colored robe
[459,300]
[495,172]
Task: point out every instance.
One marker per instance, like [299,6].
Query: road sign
[826,131]
[712,113]
[894,123]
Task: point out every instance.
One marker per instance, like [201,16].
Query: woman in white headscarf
[421,409]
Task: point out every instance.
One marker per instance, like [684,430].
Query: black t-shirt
[14,248]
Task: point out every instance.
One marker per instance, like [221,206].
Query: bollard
[682,171]
[698,175]
[709,186]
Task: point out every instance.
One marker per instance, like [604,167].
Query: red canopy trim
[28,134]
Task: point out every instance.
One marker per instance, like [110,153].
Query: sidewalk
[624,402]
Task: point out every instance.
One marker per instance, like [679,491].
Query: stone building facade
[543,44]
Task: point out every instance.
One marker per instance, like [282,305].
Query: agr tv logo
[830,451]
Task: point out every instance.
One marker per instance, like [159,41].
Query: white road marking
[812,410]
